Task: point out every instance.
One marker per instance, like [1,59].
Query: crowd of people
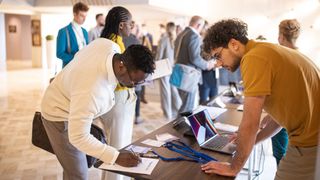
[104,73]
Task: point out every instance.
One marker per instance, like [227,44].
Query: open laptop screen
[201,126]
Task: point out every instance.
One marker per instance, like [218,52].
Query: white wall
[18,45]
[3,55]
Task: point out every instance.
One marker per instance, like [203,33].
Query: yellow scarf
[118,39]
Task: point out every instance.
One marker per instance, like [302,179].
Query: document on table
[163,68]
[152,142]
[213,111]
[145,167]
[138,149]
[240,107]
[225,127]
[166,137]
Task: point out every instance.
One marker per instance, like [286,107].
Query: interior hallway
[21,88]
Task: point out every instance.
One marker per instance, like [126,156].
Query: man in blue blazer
[73,37]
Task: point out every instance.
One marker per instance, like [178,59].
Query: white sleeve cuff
[115,156]
[109,155]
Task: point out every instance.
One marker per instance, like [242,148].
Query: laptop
[206,134]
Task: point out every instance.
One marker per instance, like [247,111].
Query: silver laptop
[206,134]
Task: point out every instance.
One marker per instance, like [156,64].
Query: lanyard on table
[185,150]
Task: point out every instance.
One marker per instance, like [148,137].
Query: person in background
[209,87]
[128,41]
[95,32]
[281,81]
[162,30]
[189,55]
[170,100]
[289,31]
[146,40]
[119,121]
[178,29]
[74,99]
[148,35]
[73,37]
[133,37]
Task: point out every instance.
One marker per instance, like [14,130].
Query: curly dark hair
[219,34]
[138,57]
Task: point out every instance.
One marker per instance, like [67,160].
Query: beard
[236,62]
[235,65]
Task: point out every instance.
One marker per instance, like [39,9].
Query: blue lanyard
[185,150]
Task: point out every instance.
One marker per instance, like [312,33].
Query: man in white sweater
[83,91]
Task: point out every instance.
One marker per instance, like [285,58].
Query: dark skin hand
[128,159]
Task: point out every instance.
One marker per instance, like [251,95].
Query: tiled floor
[21,88]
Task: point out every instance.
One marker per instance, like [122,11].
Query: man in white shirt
[83,91]
[72,37]
[95,32]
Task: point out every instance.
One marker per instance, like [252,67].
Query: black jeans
[138,93]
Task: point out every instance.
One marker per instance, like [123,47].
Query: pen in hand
[135,156]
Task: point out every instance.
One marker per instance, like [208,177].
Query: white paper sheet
[163,68]
[240,108]
[220,103]
[225,127]
[145,167]
[138,149]
[213,111]
[166,137]
[152,142]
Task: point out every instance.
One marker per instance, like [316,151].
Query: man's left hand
[220,168]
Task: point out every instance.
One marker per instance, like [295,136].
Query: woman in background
[170,99]
[117,124]
[289,31]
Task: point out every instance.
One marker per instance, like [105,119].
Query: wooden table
[183,170]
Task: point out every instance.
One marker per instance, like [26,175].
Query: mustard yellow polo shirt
[291,83]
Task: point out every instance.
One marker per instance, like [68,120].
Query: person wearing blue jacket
[72,37]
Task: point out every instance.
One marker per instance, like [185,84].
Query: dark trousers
[138,93]
[207,93]
[209,87]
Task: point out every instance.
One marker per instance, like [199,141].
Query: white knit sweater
[82,91]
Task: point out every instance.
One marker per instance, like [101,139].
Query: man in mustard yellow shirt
[283,82]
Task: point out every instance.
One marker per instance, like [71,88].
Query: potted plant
[50,49]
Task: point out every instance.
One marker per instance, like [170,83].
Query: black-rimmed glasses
[133,83]
[217,56]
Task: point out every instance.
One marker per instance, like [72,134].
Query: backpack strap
[179,45]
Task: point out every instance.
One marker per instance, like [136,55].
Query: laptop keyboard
[217,143]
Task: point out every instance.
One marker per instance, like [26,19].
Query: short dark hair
[138,57]
[219,34]
[114,17]
[80,7]
[98,15]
